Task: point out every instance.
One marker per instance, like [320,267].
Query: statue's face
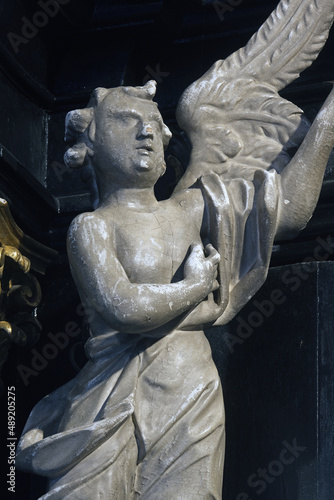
[128,146]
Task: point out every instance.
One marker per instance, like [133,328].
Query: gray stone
[145,416]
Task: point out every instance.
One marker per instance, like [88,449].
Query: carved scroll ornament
[20,292]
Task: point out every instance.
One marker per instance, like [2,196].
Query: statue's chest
[152,247]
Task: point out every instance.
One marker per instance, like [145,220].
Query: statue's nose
[147,130]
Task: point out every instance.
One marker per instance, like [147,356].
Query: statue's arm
[301,180]
[126,306]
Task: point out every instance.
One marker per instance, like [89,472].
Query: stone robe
[145,417]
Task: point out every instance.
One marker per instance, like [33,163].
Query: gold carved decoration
[40,256]
[20,292]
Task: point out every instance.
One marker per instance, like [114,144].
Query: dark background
[278,382]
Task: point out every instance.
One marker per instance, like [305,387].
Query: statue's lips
[145,149]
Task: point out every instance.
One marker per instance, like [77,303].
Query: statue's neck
[134,198]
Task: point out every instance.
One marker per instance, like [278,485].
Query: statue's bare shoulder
[87,221]
[87,235]
[191,202]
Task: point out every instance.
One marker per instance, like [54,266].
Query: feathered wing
[241,131]
[287,43]
[234,116]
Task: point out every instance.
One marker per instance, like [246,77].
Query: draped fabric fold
[243,218]
[145,417]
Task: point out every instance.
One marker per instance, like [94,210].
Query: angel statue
[145,417]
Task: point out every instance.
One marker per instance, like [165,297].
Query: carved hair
[80,123]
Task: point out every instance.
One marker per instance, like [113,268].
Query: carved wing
[241,131]
[234,116]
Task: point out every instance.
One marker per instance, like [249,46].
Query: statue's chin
[145,164]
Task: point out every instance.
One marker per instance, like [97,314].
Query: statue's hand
[201,267]
[204,314]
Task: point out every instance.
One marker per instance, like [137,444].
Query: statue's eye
[123,119]
[129,120]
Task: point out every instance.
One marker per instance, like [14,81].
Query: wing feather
[286,44]
[234,111]
[239,127]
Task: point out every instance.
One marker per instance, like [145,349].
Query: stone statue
[145,417]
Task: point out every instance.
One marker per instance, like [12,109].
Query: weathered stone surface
[145,416]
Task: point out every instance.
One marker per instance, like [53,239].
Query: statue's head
[121,132]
